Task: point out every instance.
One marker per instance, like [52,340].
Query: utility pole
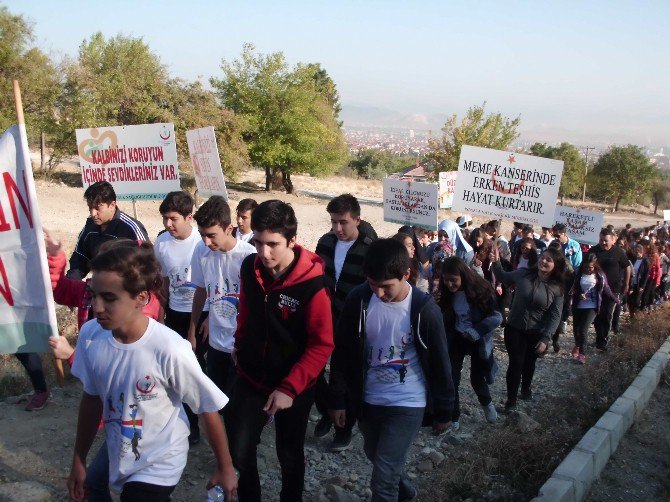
[586,170]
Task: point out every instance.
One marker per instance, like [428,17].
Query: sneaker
[510,406]
[38,401]
[575,352]
[581,359]
[406,490]
[490,413]
[526,395]
[557,347]
[453,427]
[322,427]
[341,441]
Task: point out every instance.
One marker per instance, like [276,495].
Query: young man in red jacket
[284,338]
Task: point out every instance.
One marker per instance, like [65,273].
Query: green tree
[660,192]
[290,114]
[38,76]
[475,129]
[574,166]
[377,164]
[622,173]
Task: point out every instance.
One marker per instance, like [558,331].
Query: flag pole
[60,375]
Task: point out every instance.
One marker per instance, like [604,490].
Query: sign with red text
[410,203]
[206,162]
[447,186]
[27,311]
[140,161]
[582,226]
[508,186]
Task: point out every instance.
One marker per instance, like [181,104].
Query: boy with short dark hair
[405,371]
[283,340]
[215,272]
[174,249]
[106,222]
[242,231]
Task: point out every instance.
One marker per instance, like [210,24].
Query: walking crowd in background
[231,328]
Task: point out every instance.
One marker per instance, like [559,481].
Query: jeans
[245,422]
[388,432]
[97,476]
[458,349]
[603,321]
[33,365]
[581,321]
[522,355]
[180,322]
[137,491]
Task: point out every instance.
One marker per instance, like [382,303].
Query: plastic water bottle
[216,494]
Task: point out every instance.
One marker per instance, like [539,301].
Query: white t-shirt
[394,376]
[243,237]
[175,256]
[587,283]
[341,250]
[219,273]
[142,386]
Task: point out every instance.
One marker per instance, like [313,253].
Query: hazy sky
[581,71]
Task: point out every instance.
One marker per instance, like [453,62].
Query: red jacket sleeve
[319,324]
[68,292]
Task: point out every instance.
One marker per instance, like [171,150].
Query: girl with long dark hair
[468,305]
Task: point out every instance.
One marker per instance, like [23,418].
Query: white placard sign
[410,203]
[140,161]
[206,162]
[447,185]
[27,310]
[508,186]
[582,226]
[666,215]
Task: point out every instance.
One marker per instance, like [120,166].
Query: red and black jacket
[284,327]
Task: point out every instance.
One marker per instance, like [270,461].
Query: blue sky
[581,71]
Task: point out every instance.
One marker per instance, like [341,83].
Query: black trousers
[137,491]
[321,402]
[581,321]
[33,364]
[604,321]
[520,347]
[179,322]
[458,349]
[245,422]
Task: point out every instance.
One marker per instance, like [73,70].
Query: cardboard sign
[410,203]
[206,162]
[27,311]
[139,161]
[447,186]
[509,186]
[582,226]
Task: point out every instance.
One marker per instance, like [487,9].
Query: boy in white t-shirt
[242,231]
[215,271]
[136,373]
[174,249]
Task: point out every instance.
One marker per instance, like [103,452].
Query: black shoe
[341,441]
[602,347]
[557,347]
[322,427]
[194,437]
[526,395]
[510,406]
[406,491]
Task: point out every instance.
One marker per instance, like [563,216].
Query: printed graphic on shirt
[390,364]
[180,285]
[287,305]
[224,299]
[130,429]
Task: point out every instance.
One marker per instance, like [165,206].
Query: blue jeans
[97,477]
[388,432]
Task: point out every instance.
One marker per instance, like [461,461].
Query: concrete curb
[573,478]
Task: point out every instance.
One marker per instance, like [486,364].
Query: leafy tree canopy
[574,166]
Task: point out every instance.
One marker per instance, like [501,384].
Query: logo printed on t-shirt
[224,298]
[287,305]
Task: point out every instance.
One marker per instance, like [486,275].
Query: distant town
[413,142]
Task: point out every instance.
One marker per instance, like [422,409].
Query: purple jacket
[601,289]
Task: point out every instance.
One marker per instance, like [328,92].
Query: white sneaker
[490,413]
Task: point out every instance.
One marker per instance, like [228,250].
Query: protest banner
[410,203]
[509,186]
[582,226]
[666,215]
[140,161]
[206,162]
[447,185]
[27,311]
